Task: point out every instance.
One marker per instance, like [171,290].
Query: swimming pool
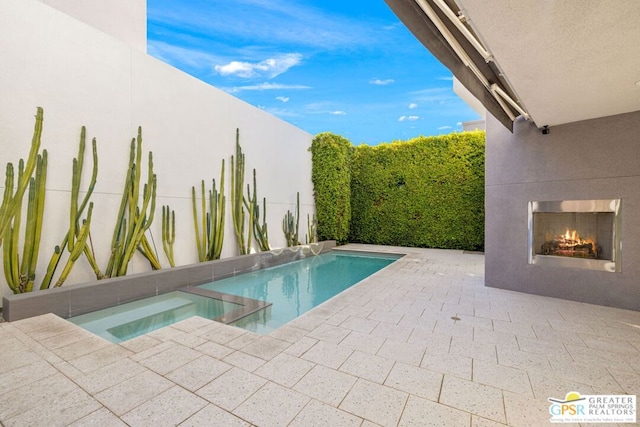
[292,289]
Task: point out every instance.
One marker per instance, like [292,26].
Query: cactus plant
[133,220]
[10,199]
[259,230]
[75,240]
[168,233]
[312,229]
[291,223]
[238,201]
[210,233]
[20,272]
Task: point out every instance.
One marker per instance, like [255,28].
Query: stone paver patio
[422,342]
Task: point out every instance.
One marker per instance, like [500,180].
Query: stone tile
[472,397]
[272,405]
[69,337]
[243,340]
[140,343]
[504,377]
[446,363]
[321,415]
[244,361]
[231,388]
[109,375]
[363,342]
[518,329]
[534,345]
[327,354]
[563,337]
[337,318]
[82,347]
[374,402]
[474,349]
[198,372]
[454,330]
[435,343]
[524,412]
[29,396]
[128,394]
[151,351]
[24,375]
[359,324]
[492,337]
[284,369]
[522,359]
[328,333]
[221,334]
[100,358]
[266,347]
[424,413]
[171,358]
[629,381]
[166,409]
[547,384]
[397,333]
[100,418]
[409,353]
[288,333]
[355,310]
[298,348]
[477,421]
[325,384]
[417,381]
[386,316]
[418,322]
[367,366]
[64,409]
[307,321]
[215,350]
[589,375]
[211,415]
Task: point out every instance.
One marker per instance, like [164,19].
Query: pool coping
[73,300]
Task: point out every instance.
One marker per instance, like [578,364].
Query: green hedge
[331,177]
[425,192]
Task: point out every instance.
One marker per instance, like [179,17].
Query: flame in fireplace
[572,239]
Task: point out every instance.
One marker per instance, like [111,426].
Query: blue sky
[348,67]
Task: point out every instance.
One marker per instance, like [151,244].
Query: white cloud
[413,105]
[338,113]
[381,82]
[268,68]
[447,78]
[282,98]
[444,127]
[266,86]
[409,118]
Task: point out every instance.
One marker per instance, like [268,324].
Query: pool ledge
[73,300]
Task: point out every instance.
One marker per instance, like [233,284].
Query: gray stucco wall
[593,159]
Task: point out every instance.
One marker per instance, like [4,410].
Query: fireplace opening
[575,233]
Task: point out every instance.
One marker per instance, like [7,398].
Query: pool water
[299,286]
[126,321]
[293,289]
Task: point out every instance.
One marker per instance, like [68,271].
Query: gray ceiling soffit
[426,32]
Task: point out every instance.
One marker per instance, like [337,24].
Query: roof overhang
[552,61]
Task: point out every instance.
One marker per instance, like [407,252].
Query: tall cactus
[291,224]
[75,240]
[312,229]
[10,199]
[259,230]
[238,202]
[168,233]
[20,272]
[209,228]
[133,220]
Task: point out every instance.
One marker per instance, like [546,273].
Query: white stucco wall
[125,20]
[81,76]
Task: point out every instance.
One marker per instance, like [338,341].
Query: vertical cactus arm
[196,222]
[168,233]
[5,211]
[10,266]
[120,219]
[94,178]
[76,176]
[202,249]
[51,267]
[29,232]
[38,212]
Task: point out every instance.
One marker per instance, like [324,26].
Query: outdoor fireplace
[575,234]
